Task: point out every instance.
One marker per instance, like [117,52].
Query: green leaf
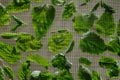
[24,71]
[59,41]
[39,60]
[84,73]
[113,45]
[69,10]
[45,76]
[9,53]
[2,77]
[108,62]
[4,16]
[113,73]
[60,61]
[42,19]
[63,75]
[70,48]
[85,2]
[84,61]
[105,25]
[96,76]
[35,75]
[91,43]
[82,23]
[9,72]
[38,0]
[118,28]
[27,42]
[18,6]
[95,7]
[58,2]
[19,23]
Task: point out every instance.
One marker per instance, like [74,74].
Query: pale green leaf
[58,2]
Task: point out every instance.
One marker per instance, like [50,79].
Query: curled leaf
[70,48]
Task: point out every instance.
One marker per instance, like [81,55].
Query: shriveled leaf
[59,41]
[108,62]
[2,77]
[113,73]
[69,10]
[27,42]
[18,6]
[58,2]
[91,43]
[118,28]
[96,76]
[84,73]
[105,25]
[42,19]
[19,23]
[9,53]
[70,48]
[60,61]
[63,75]
[9,72]
[113,45]
[39,60]
[83,23]
[4,16]
[24,71]
[84,61]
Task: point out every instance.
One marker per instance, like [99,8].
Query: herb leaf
[112,73]
[95,7]
[84,61]
[108,62]
[9,72]
[18,6]
[118,28]
[96,76]
[4,16]
[59,41]
[84,73]
[42,19]
[38,0]
[9,53]
[1,74]
[24,71]
[69,10]
[39,60]
[92,43]
[58,2]
[105,25]
[82,23]
[70,48]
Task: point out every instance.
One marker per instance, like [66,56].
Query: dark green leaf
[39,60]
[45,76]
[19,23]
[96,76]
[18,6]
[82,23]
[114,45]
[118,28]
[70,48]
[91,43]
[59,41]
[84,73]
[95,7]
[63,75]
[84,61]
[108,62]
[58,2]
[60,61]
[42,19]
[24,71]
[9,72]
[4,16]
[69,10]
[1,74]
[112,73]
[9,53]
[105,25]
[85,2]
